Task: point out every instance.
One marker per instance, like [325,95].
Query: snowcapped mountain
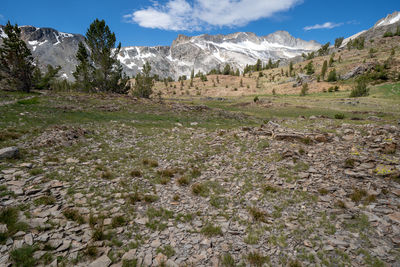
[51,47]
[201,53]
[390,23]
[206,52]
[390,19]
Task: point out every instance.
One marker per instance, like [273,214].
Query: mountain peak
[390,19]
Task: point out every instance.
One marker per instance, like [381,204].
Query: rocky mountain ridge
[389,23]
[206,52]
[201,53]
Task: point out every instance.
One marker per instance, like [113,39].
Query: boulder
[103,261]
[9,152]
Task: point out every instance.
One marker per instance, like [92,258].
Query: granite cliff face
[201,53]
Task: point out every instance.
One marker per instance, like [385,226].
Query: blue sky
[150,22]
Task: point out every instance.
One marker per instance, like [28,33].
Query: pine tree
[16,61]
[107,74]
[290,68]
[304,89]
[331,61]
[338,42]
[332,77]
[258,66]
[324,49]
[144,82]
[309,68]
[324,69]
[192,74]
[227,69]
[83,71]
[45,81]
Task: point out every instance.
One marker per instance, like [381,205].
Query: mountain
[201,53]
[51,47]
[205,52]
[390,23]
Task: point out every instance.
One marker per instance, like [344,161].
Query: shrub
[91,251]
[73,215]
[150,198]
[107,175]
[388,34]
[339,116]
[304,90]
[332,76]
[184,180]
[23,256]
[195,172]
[45,200]
[118,221]
[360,89]
[211,230]
[256,99]
[136,173]
[258,214]
[358,194]
[167,173]
[167,250]
[98,234]
[200,189]
[349,163]
[227,260]
[150,162]
[257,259]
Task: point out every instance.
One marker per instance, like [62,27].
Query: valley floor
[105,180]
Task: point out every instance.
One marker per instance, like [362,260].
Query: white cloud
[2,18]
[326,25]
[199,14]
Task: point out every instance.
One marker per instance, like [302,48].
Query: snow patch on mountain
[390,19]
[2,33]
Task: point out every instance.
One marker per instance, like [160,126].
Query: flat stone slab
[9,152]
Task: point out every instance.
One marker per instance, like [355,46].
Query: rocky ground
[194,186]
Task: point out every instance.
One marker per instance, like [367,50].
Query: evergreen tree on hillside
[290,68]
[107,74]
[227,69]
[144,82]
[331,61]
[324,49]
[16,61]
[84,70]
[309,68]
[324,69]
[338,42]
[332,77]
[44,81]
[258,66]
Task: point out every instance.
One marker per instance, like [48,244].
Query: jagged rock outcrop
[360,69]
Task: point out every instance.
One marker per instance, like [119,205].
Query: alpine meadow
[223,148]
